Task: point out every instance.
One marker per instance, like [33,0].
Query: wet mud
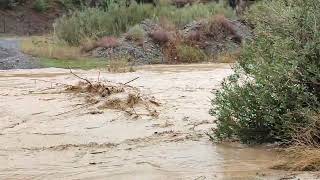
[49,133]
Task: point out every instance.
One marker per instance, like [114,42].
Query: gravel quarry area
[50,133]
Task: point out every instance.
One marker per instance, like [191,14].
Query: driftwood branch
[131,80]
[99,77]
[80,77]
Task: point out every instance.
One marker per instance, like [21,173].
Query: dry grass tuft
[219,28]
[47,47]
[105,42]
[160,36]
[300,159]
[304,155]
[170,50]
[228,57]
[308,136]
[166,24]
[194,36]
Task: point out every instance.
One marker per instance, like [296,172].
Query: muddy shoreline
[46,133]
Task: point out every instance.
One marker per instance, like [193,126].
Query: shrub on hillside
[160,36]
[136,33]
[95,23]
[190,54]
[219,27]
[276,88]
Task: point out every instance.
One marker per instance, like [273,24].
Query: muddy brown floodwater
[50,134]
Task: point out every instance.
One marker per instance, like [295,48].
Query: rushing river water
[45,135]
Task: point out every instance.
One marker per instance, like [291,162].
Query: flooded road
[47,133]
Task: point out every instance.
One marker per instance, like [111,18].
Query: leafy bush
[189,54]
[41,5]
[276,86]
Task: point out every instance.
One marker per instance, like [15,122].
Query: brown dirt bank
[23,20]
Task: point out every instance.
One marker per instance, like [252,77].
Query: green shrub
[276,87]
[41,5]
[189,54]
[136,33]
[95,23]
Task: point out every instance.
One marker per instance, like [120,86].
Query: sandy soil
[47,133]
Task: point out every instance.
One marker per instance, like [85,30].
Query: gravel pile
[150,52]
[147,53]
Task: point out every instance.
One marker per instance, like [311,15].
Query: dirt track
[47,133]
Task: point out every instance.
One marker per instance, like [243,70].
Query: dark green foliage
[41,5]
[276,87]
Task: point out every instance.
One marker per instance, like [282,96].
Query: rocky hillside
[159,45]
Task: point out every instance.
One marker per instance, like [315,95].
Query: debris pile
[115,96]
